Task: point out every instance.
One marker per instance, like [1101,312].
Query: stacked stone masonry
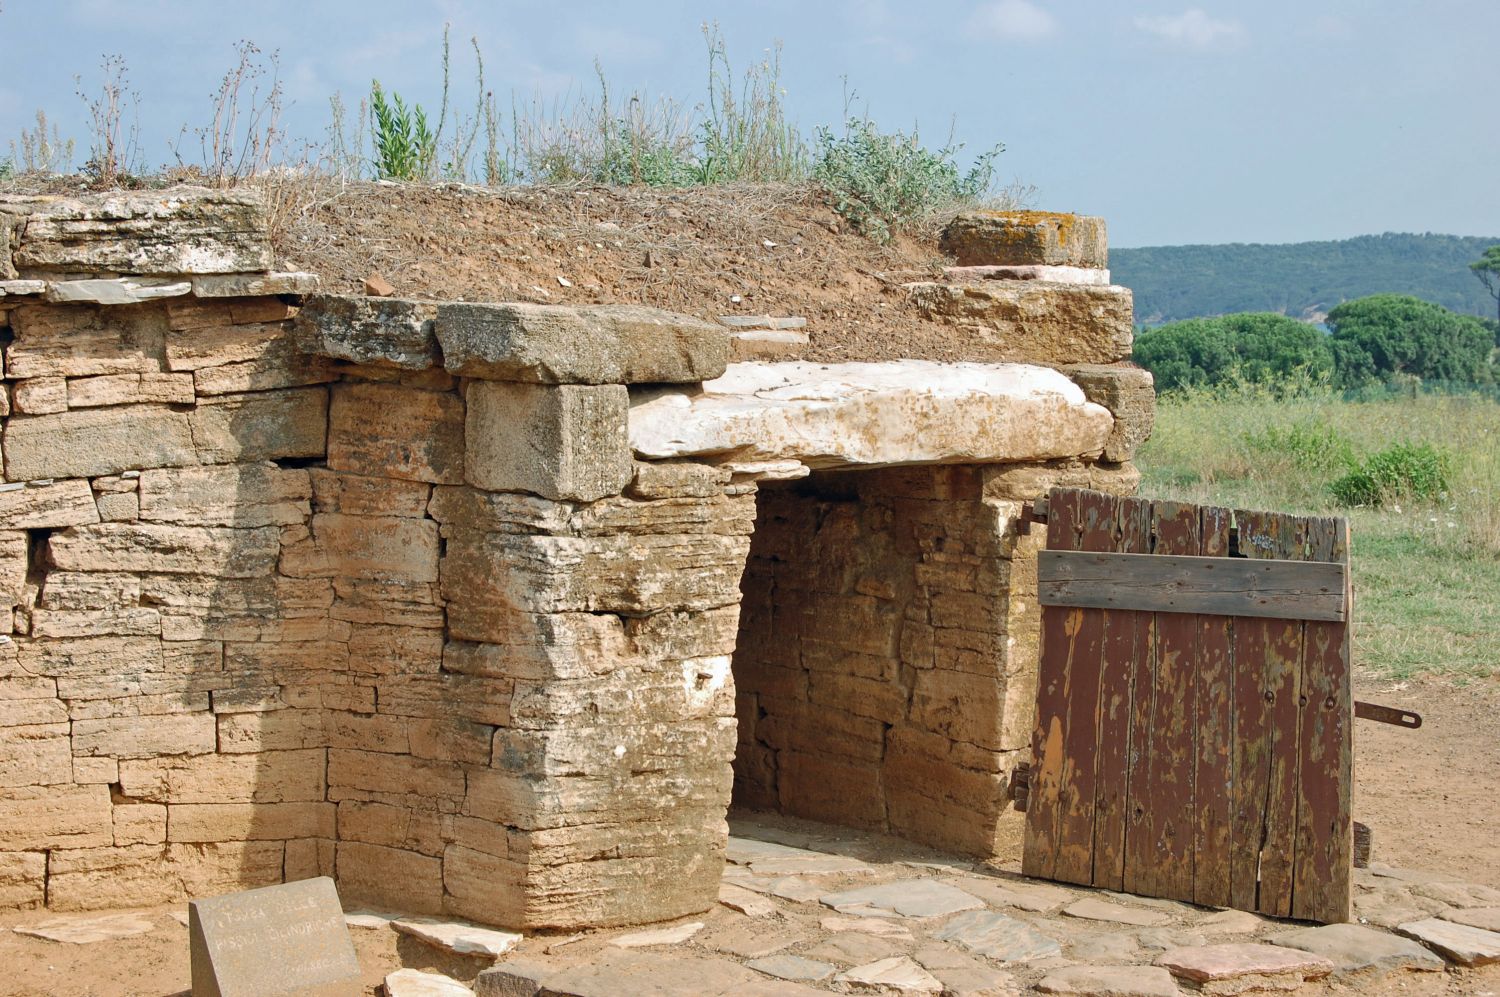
[306,585]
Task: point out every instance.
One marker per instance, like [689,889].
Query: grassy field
[1426,570]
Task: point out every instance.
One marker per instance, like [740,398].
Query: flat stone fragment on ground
[793,967]
[458,937]
[1099,910]
[998,937]
[866,926]
[1231,922]
[1487,918]
[745,901]
[1354,948]
[1035,897]
[415,983]
[369,919]
[614,973]
[906,897]
[1464,944]
[1458,894]
[90,928]
[1112,947]
[1110,981]
[964,976]
[658,936]
[1235,968]
[1391,907]
[899,973]
[866,414]
[850,948]
[748,940]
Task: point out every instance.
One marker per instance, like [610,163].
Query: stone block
[1030,322]
[267,777]
[38,754]
[400,780]
[180,231]
[144,737]
[39,396]
[308,858]
[394,827]
[119,507]
[244,285]
[15,561]
[244,495]
[279,730]
[130,389]
[281,368]
[391,878]
[487,888]
[136,622]
[861,414]
[249,821]
[116,290]
[561,442]
[262,425]
[83,341]
[363,495]
[1130,395]
[170,549]
[677,479]
[564,344]
[378,548]
[381,332]
[34,818]
[190,314]
[140,823]
[392,431]
[88,442]
[23,877]
[52,506]
[1021,238]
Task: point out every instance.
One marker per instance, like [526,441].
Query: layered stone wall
[443,600]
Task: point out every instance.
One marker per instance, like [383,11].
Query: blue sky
[1273,121]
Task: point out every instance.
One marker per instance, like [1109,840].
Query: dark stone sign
[280,940]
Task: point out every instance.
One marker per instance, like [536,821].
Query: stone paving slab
[1110,981]
[747,902]
[1024,895]
[621,972]
[1093,909]
[963,975]
[905,898]
[868,926]
[83,929]
[673,935]
[850,948]
[1459,894]
[1464,944]
[998,937]
[1236,967]
[458,937]
[1232,922]
[749,940]
[793,967]
[1487,918]
[415,983]
[899,973]
[1353,948]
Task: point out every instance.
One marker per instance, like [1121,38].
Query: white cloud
[1017,19]
[1193,29]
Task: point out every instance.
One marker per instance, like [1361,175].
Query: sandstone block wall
[298,585]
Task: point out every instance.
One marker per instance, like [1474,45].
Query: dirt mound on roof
[707,251]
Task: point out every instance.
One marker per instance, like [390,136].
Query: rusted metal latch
[1387,715]
[1034,511]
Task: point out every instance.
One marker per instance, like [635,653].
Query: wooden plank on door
[1075,854]
[1268,655]
[1127,651]
[1324,827]
[1213,777]
[1159,840]
[1167,583]
[1044,791]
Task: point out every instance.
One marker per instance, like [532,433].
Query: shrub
[1263,348]
[1383,335]
[882,183]
[405,147]
[1309,445]
[1405,470]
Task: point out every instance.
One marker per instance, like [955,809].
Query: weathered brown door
[1194,716]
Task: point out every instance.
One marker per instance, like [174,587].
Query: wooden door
[1194,718]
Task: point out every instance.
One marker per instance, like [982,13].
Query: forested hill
[1302,279]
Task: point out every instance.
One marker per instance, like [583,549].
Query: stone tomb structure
[492,610]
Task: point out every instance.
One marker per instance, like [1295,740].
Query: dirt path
[1432,796]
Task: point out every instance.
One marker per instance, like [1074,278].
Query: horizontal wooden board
[1215,586]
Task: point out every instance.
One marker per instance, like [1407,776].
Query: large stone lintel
[862,414]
